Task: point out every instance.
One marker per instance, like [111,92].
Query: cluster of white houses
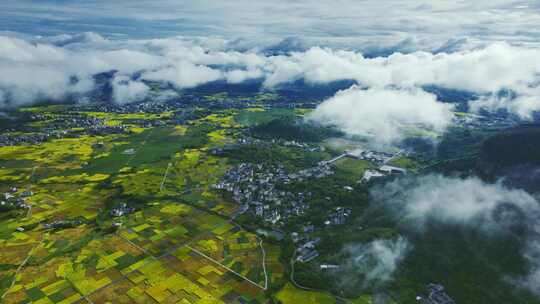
[253,186]
[435,295]
[15,199]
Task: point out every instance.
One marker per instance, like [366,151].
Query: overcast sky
[391,47]
[343,22]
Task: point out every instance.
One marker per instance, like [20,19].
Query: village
[63,126]
[73,122]
[15,199]
[271,194]
[256,188]
[260,189]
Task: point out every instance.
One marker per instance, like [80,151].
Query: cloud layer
[125,90]
[490,208]
[60,67]
[386,115]
[391,94]
[453,200]
[378,24]
[374,262]
[495,67]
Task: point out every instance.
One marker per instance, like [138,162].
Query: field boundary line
[165,177]
[21,266]
[225,267]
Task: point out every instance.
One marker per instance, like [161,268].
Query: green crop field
[135,216]
[176,245]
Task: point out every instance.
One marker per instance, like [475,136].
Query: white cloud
[523,105]
[376,261]
[385,114]
[126,90]
[239,76]
[44,68]
[453,200]
[319,66]
[184,74]
[488,69]
[33,71]
[490,208]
